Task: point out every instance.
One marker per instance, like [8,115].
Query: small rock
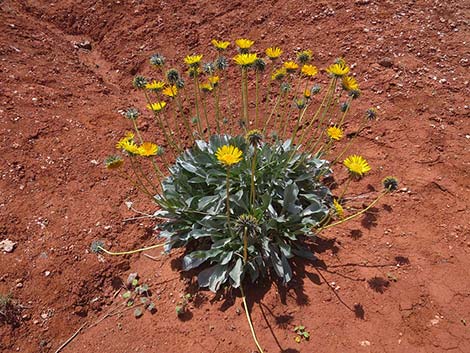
[386,62]
[36,322]
[47,273]
[7,245]
[19,285]
[83,45]
[364,343]
[44,316]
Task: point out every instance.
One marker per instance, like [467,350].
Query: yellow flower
[307,93]
[229,155]
[220,45]
[309,70]
[291,66]
[273,52]
[214,80]
[244,44]
[147,149]
[279,74]
[129,146]
[335,133]
[350,84]
[128,137]
[338,208]
[170,91]
[356,165]
[157,106]
[206,87]
[338,69]
[193,60]
[245,60]
[155,85]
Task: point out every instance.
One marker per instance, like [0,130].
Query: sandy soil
[393,281]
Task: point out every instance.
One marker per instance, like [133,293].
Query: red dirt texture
[394,280]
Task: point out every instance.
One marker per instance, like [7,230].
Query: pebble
[19,285]
[47,273]
[7,245]
[386,62]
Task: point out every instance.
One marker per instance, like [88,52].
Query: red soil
[401,273]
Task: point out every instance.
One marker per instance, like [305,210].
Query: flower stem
[355,214]
[228,199]
[250,323]
[131,251]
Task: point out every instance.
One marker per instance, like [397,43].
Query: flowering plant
[242,184]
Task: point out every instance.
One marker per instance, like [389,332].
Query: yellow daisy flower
[350,84]
[206,87]
[220,45]
[147,149]
[245,60]
[193,60]
[155,85]
[309,70]
[338,69]
[129,146]
[214,80]
[229,155]
[244,44]
[273,52]
[128,137]
[335,133]
[279,74]
[356,165]
[291,66]
[157,106]
[338,208]
[170,91]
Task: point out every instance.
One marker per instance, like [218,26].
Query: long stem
[228,199]
[160,123]
[253,167]
[131,251]
[217,108]
[349,143]
[204,108]
[245,96]
[196,98]
[250,323]
[315,141]
[345,188]
[256,98]
[309,128]
[354,215]
[272,111]
[185,118]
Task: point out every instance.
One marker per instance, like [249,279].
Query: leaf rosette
[290,202]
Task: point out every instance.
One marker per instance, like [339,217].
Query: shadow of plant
[378,284]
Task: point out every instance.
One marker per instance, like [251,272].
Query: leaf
[135,282]
[236,273]
[138,312]
[151,307]
[213,277]
[126,295]
[290,197]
